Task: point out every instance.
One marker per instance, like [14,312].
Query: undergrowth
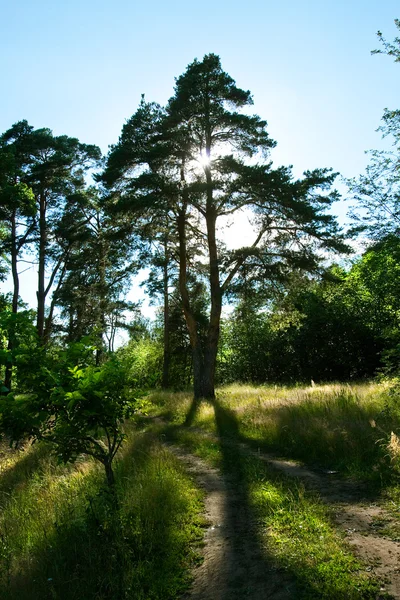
[63,537]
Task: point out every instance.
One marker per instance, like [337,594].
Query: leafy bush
[143,361]
[77,406]
[20,329]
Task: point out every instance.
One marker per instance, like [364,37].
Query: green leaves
[376,211]
[64,399]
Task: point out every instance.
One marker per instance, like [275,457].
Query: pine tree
[203,159]
[53,167]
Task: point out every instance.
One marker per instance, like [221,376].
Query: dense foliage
[176,173]
[345,327]
[192,164]
[63,398]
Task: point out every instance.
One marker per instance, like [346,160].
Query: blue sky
[79,68]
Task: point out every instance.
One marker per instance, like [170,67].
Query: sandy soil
[236,566]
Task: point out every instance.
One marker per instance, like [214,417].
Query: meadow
[62,536]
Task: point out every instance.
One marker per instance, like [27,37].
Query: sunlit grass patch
[162,509]
[329,425]
[241,396]
[296,529]
[293,526]
[205,417]
[173,406]
[326,425]
[61,536]
[194,441]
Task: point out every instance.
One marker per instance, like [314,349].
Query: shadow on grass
[255,571]
[61,561]
[17,474]
[93,553]
[89,554]
[334,434]
[192,412]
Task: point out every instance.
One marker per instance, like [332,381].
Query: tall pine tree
[203,159]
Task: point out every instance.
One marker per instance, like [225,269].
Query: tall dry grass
[326,425]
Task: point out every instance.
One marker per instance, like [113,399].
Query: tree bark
[167,350]
[198,370]
[211,349]
[48,326]
[41,292]
[109,474]
[101,324]
[14,270]
[204,353]
[14,263]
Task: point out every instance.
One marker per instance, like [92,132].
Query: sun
[203,159]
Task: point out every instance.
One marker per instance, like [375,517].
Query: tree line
[159,201]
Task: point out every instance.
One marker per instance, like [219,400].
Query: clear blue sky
[79,67]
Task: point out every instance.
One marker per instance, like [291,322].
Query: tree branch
[240,262]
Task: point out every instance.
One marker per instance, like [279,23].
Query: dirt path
[232,562]
[235,566]
[359,519]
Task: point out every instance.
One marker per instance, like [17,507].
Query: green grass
[298,532]
[294,527]
[62,538]
[327,425]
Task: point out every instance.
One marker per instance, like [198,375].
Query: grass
[328,426]
[297,530]
[294,528]
[62,538]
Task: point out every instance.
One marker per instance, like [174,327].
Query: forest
[231,447]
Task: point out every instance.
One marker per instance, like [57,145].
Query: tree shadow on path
[236,565]
[192,412]
[240,564]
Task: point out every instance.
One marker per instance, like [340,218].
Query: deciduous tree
[377,193]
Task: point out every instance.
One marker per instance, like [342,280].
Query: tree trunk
[210,361]
[14,270]
[109,475]
[204,361]
[167,351]
[48,325]
[14,263]
[207,384]
[41,292]
[204,358]
[198,366]
[101,324]
[197,351]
